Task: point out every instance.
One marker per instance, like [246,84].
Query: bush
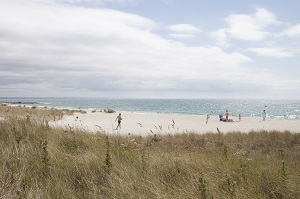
[109,110]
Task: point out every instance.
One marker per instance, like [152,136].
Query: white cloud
[183,31]
[85,2]
[265,17]
[247,27]
[272,52]
[184,28]
[182,36]
[221,36]
[293,31]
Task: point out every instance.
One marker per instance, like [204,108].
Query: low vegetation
[39,161]
[39,114]
[109,110]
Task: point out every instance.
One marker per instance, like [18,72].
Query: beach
[156,123]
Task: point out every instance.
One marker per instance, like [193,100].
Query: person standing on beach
[227,117]
[119,118]
[264,114]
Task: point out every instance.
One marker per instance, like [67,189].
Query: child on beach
[119,118]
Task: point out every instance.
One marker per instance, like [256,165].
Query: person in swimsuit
[227,117]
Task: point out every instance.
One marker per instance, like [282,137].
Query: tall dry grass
[38,161]
[41,114]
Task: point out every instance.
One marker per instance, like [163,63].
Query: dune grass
[38,161]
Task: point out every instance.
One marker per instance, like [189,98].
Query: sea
[281,109]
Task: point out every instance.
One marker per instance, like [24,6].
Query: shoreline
[159,123]
[149,123]
[282,109]
[39,105]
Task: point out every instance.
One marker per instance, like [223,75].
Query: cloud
[182,36]
[86,2]
[293,31]
[272,52]
[183,31]
[59,50]
[93,1]
[221,37]
[266,18]
[247,27]
[184,28]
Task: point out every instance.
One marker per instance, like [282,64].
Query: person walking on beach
[207,117]
[119,118]
[264,114]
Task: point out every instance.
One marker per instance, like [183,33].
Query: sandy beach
[153,123]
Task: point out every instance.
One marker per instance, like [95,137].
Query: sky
[150,48]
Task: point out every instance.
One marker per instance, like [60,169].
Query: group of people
[226,119]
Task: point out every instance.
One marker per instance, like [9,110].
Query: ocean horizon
[282,109]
